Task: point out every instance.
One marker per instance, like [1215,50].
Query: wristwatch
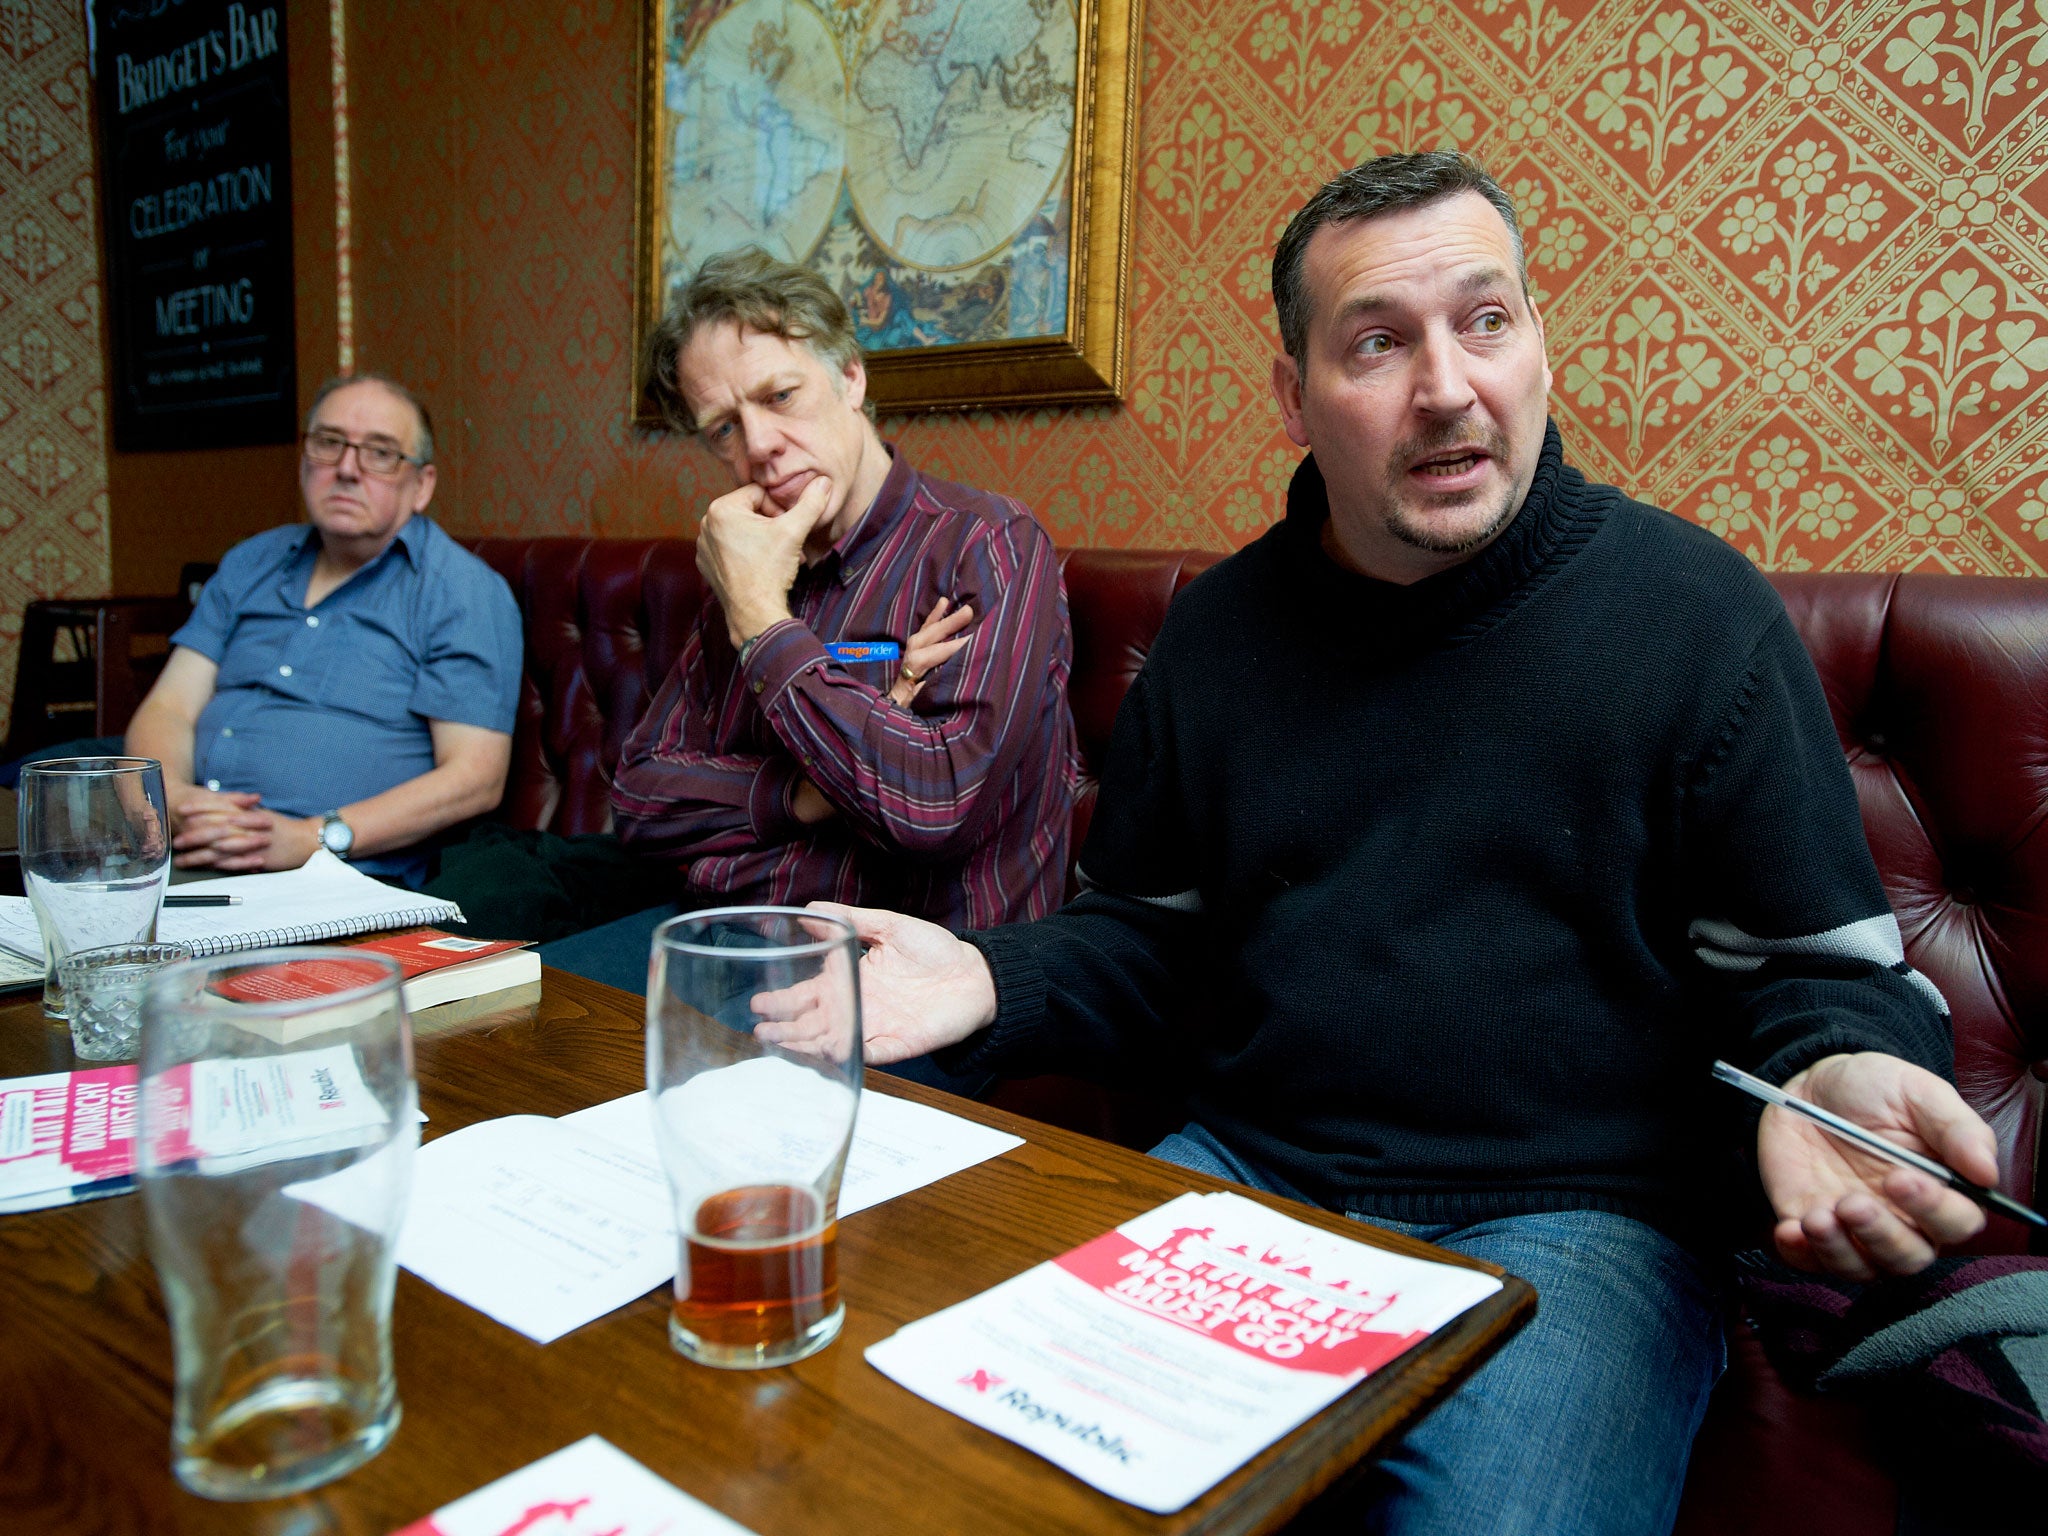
[336,835]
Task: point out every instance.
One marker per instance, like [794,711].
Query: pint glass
[95,855]
[754,1136]
[275,1156]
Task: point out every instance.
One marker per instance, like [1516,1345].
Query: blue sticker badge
[850,651]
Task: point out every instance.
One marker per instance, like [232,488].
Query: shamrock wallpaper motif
[1792,256]
[53,467]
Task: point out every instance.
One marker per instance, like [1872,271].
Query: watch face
[337,836]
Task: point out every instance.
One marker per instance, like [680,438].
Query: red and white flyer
[591,1488]
[66,1136]
[1157,1359]
[243,1111]
[69,1136]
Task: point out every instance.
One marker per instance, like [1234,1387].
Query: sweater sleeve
[1094,988]
[1785,911]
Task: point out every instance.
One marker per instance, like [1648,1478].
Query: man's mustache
[1446,438]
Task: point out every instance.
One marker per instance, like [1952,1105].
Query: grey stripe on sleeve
[1726,947]
[1179,901]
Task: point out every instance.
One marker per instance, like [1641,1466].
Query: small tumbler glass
[277,1129]
[103,989]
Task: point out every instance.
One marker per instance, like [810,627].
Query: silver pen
[1871,1142]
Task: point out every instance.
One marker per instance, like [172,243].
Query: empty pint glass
[277,1131]
[753,1135]
[95,855]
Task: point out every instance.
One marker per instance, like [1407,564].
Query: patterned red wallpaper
[53,462]
[1792,255]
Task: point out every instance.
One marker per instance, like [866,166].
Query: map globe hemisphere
[758,151]
[959,118]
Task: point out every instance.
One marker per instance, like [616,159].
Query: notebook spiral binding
[316,933]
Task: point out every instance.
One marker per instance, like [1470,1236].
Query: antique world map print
[916,153]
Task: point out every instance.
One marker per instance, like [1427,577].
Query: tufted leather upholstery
[605,620]
[1939,688]
[1118,600]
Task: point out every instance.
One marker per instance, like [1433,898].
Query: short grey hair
[1390,184]
[424,450]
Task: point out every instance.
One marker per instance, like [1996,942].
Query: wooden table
[827,1445]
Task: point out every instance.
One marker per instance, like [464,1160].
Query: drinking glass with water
[95,855]
[277,1127]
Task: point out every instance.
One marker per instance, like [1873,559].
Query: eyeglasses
[325,447]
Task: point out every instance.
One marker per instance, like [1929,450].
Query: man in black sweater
[1450,832]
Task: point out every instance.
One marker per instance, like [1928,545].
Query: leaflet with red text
[68,1136]
[591,1488]
[1157,1359]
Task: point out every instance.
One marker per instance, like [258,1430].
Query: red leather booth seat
[1939,688]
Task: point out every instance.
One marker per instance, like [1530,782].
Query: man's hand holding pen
[1845,1211]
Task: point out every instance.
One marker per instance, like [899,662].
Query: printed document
[550,1224]
[1157,1359]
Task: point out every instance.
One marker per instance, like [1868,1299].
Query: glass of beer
[754,1135]
[277,1127]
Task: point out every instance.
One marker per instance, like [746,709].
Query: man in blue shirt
[348,684]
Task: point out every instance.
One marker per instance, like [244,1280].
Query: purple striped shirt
[957,809]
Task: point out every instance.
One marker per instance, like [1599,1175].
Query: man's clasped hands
[234,832]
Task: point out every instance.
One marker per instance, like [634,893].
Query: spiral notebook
[323,899]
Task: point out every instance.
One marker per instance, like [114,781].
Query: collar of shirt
[855,547]
[410,538]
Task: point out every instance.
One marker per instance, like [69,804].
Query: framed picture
[960,170]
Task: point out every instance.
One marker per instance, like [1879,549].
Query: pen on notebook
[202,901]
[1870,1141]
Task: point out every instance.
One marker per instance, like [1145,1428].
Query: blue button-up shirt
[316,708]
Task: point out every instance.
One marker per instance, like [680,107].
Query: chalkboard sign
[195,142]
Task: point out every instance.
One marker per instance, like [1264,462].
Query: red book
[418,950]
[458,968]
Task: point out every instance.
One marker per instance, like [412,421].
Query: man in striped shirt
[872,707]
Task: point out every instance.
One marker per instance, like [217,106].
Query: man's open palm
[1840,1209]
[921,989]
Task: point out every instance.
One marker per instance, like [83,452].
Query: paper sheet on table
[549,1224]
[1158,1358]
[584,1489]
[898,1146]
[540,1226]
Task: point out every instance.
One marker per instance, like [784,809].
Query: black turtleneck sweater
[1438,900]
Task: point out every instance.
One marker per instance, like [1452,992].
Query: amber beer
[754,1135]
[759,1279]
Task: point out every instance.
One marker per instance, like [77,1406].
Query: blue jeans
[1583,1421]
[615,953]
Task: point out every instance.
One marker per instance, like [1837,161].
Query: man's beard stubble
[1492,442]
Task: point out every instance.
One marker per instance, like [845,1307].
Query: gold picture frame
[1075,340]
